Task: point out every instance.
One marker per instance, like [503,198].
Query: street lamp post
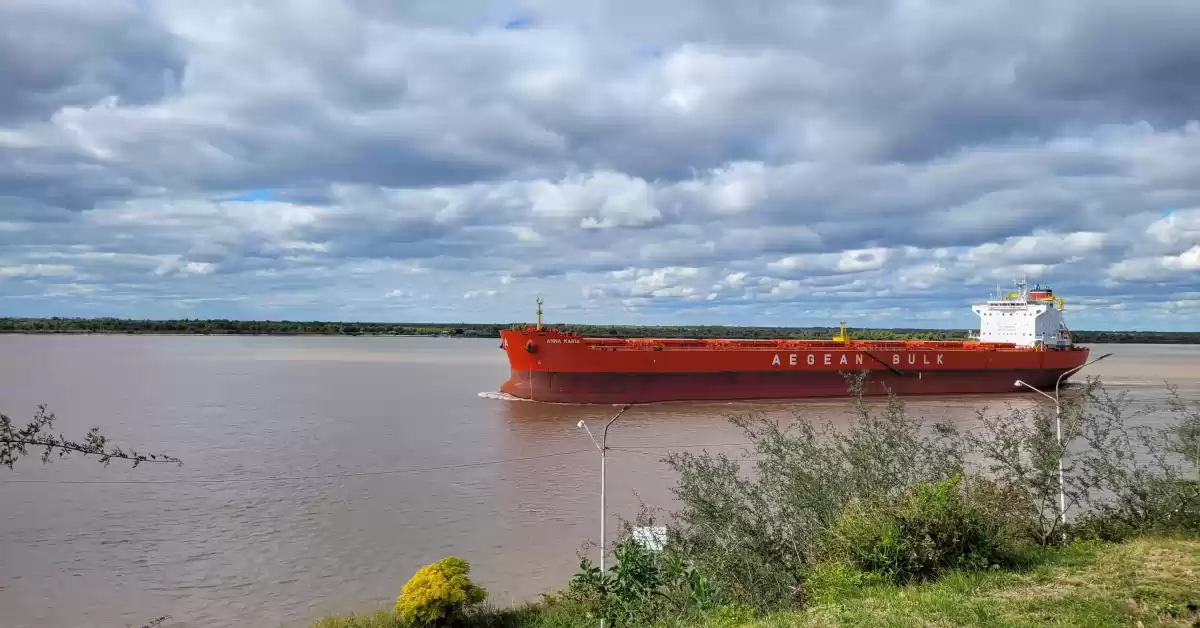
[603,447]
[1062,497]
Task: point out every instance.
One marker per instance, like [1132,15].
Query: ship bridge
[1027,318]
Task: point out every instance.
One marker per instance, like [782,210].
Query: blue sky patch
[649,52]
[250,196]
[519,23]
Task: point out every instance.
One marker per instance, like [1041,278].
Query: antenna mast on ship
[539,314]
[842,337]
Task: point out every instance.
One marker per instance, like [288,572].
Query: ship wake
[499,396]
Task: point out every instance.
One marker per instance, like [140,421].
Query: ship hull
[547,365]
[620,388]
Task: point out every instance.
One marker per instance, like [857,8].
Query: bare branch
[152,623]
[15,443]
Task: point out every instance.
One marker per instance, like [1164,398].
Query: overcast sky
[778,162]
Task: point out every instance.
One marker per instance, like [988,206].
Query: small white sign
[651,537]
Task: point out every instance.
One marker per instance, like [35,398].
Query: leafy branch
[15,443]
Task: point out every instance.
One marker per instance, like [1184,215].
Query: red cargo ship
[1021,337]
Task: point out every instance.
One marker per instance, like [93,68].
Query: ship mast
[842,337]
[539,314]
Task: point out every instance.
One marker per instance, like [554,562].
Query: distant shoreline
[149,332]
[221,327]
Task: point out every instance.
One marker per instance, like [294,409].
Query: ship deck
[718,344]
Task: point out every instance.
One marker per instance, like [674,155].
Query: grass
[378,619]
[525,615]
[1142,583]
[1147,582]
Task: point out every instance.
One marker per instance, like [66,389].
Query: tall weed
[1143,473]
[757,536]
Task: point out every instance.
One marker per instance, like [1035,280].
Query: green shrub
[625,594]
[932,528]
[642,586]
[439,593]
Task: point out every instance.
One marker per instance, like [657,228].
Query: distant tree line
[57,325]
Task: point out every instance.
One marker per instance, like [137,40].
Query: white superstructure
[1026,318]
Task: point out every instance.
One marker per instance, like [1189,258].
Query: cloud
[56,54]
[702,162]
[1038,248]
[602,200]
[1157,268]
[37,270]
[1180,228]
[851,261]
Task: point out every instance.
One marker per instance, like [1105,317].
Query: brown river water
[320,473]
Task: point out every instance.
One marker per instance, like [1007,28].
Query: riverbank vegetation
[1146,580]
[891,521]
[58,325]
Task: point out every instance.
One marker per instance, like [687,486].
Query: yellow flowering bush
[438,593]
